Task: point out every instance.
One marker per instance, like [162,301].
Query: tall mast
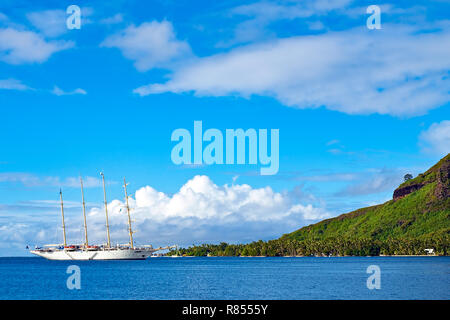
[106,211]
[130,231]
[62,213]
[84,213]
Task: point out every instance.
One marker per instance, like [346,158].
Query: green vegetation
[422,213]
[417,218]
[328,247]
[429,175]
[407,177]
[415,215]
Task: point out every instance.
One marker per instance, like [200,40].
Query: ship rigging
[97,252]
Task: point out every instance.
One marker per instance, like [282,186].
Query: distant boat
[96,252]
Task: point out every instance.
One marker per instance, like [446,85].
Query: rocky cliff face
[440,173]
[404,191]
[442,190]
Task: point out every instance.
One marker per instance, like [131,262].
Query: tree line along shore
[327,247]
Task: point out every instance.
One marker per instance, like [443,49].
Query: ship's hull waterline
[125,254]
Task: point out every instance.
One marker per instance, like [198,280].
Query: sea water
[228,278]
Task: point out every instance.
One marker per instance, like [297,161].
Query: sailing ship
[106,251]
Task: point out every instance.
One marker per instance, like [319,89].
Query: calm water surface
[228,278]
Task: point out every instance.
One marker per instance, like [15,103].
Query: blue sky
[356,109]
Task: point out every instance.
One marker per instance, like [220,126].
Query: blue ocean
[228,278]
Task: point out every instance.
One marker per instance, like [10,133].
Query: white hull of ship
[122,254]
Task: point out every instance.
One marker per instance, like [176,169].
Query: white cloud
[204,211]
[337,151]
[13,84]
[59,92]
[436,139]
[397,70]
[201,198]
[51,23]
[32,180]
[360,183]
[331,142]
[262,14]
[330,177]
[374,181]
[149,45]
[3,17]
[285,10]
[74,182]
[20,46]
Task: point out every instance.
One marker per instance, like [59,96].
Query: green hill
[416,219]
[420,208]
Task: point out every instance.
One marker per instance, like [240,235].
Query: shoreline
[381,255]
[399,255]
